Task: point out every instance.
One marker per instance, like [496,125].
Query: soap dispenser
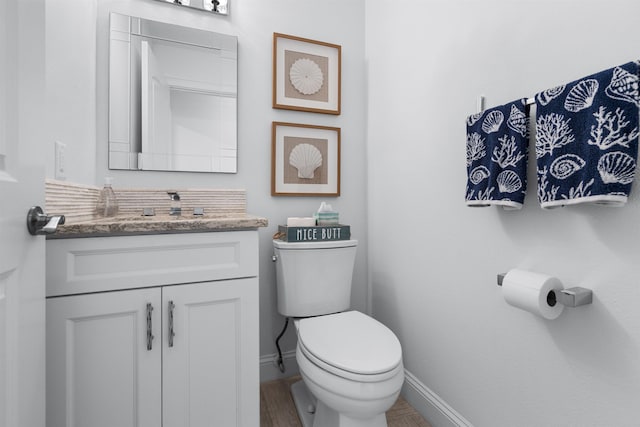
[107,203]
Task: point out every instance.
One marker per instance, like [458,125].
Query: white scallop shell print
[617,167]
[565,166]
[306,158]
[478,174]
[517,121]
[306,76]
[550,94]
[623,86]
[508,181]
[472,119]
[581,95]
[492,122]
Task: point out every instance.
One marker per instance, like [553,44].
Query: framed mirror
[172,97]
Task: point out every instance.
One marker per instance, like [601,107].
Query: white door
[103,359]
[210,366]
[22,304]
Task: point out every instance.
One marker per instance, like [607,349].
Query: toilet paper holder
[571,297]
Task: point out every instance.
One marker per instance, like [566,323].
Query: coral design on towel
[475,148]
[552,132]
[507,153]
[497,156]
[611,129]
[587,138]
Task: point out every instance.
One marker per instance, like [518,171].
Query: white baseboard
[430,405]
[269,370]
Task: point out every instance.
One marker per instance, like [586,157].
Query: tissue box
[321,233]
[327,218]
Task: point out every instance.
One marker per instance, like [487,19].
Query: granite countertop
[158,224]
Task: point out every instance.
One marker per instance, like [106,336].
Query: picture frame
[305,160]
[306,74]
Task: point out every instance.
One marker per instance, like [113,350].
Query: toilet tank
[314,278]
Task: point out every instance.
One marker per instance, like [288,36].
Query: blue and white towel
[497,156]
[587,139]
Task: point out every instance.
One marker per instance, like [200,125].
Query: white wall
[433,261]
[77,106]
[433,279]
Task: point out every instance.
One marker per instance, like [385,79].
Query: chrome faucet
[176,208]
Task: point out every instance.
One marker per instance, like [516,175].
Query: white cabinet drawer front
[111,263]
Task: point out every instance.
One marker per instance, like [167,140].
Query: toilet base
[305,403]
[314,413]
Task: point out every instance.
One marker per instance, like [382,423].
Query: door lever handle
[39,223]
[52,224]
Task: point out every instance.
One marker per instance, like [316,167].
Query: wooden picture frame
[306,74]
[305,160]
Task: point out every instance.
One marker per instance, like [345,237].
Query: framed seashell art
[305,160]
[306,74]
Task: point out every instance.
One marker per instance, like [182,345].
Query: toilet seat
[351,345]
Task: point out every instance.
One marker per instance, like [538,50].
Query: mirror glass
[172,97]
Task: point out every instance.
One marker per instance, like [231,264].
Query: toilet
[350,364]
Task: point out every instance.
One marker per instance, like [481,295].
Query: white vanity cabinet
[153,330]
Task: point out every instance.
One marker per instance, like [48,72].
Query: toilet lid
[351,341]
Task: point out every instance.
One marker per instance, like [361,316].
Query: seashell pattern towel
[587,139]
[497,156]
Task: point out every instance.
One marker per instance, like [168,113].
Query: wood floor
[277,408]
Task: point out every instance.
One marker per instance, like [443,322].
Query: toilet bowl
[352,365]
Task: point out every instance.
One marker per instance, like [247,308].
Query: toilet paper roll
[533,292]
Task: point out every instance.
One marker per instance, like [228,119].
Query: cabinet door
[100,371]
[210,368]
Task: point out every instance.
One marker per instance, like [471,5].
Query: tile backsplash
[77,202]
